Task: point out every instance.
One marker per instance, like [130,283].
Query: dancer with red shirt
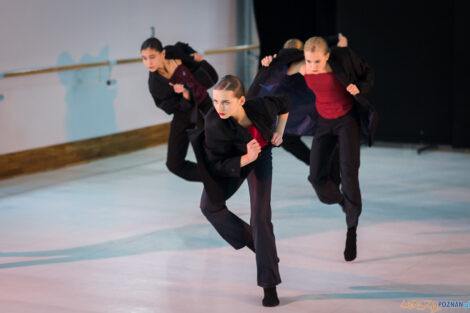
[236,144]
[339,80]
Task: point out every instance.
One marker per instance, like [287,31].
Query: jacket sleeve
[186,48]
[170,102]
[223,156]
[277,105]
[229,167]
[181,51]
[165,98]
[220,162]
[205,74]
[364,73]
[260,77]
[332,40]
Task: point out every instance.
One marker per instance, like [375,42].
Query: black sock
[350,251]
[270,297]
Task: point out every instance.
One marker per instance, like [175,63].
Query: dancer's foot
[270,297]
[350,251]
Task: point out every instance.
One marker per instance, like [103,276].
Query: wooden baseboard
[53,157]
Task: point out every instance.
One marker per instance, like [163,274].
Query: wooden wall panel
[53,157]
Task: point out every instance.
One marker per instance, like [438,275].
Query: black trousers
[260,231]
[178,141]
[344,133]
[295,145]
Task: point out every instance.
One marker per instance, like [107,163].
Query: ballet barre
[44,70]
[67,67]
[232,49]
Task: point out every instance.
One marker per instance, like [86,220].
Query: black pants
[178,144]
[344,132]
[260,231]
[295,145]
[178,141]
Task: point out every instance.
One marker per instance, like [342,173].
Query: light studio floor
[124,235]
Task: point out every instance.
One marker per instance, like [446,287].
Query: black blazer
[222,143]
[273,81]
[351,69]
[164,96]
[269,77]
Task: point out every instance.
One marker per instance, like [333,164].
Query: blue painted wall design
[90,101]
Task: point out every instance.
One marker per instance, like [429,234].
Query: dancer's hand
[277,139]
[179,88]
[197,57]
[352,89]
[252,151]
[342,40]
[267,60]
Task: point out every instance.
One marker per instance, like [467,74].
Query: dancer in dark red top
[278,75]
[178,81]
[339,81]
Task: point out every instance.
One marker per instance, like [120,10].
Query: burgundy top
[182,75]
[254,132]
[332,98]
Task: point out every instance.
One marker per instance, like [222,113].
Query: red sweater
[332,99]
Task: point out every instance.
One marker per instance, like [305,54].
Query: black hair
[152,43]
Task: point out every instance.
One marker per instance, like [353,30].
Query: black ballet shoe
[350,251]
[270,297]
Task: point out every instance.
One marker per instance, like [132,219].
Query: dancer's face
[226,104]
[152,59]
[315,62]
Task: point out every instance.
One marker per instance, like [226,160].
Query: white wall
[54,108]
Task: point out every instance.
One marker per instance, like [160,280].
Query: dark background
[417,49]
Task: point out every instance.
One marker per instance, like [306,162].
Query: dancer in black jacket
[236,144]
[178,81]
